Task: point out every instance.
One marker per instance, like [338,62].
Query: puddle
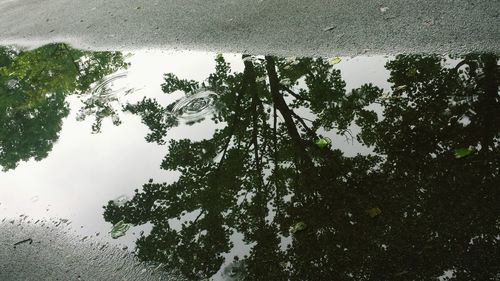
[239,167]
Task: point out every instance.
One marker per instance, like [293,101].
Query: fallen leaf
[291,61]
[400,88]
[286,82]
[401,273]
[119,229]
[323,142]
[373,212]
[334,61]
[464,152]
[298,227]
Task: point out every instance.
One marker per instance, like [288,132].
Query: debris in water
[286,82]
[23,241]
[329,28]
[298,227]
[373,212]
[401,273]
[400,88]
[384,9]
[119,229]
[464,152]
[429,22]
[334,60]
[323,142]
[292,60]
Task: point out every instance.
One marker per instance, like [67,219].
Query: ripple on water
[120,200]
[195,107]
[106,87]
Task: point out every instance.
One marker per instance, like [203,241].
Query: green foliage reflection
[33,87]
[410,211]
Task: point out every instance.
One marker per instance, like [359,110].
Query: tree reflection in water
[34,85]
[409,211]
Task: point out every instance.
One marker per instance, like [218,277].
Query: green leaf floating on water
[323,142]
[334,61]
[464,152]
[298,227]
[119,229]
[373,212]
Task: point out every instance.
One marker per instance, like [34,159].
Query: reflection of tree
[446,208]
[262,173]
[33,87]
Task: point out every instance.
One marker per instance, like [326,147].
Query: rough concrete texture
[282,27]
[53,254]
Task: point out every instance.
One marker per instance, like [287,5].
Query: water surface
[241,167]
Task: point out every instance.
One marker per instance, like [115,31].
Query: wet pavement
[240,167]
[292,27]
[53,253]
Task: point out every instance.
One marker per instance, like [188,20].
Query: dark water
[238,167]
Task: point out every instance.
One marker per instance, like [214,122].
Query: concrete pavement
[281,27]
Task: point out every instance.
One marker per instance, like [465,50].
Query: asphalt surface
[281,27]
[46,252]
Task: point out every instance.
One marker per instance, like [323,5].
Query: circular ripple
[120,200]
[195,107]
[105,88]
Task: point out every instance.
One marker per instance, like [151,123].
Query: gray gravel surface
[282,27]
[53,253]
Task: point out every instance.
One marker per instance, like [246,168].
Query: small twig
[201,213]
[304,125]
[24,241]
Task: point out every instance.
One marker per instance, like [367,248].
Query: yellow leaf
[373,212]
[334,61]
